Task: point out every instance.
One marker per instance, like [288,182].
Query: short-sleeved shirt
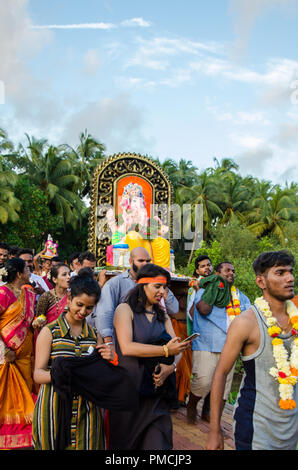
[114,293]
[64,344]
[213,327]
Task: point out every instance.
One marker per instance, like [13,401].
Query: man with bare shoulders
[264,419]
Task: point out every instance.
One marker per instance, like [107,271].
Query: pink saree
[16,402]
[55,311]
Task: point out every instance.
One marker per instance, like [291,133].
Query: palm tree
[5,143]
[272,209]
[182,173]
[9,204]
[49,169]
[6,150]
[226,165]
[204,192]
[85,158]
[235,198]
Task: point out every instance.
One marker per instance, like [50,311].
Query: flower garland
[286,370]
[39,321]
[3,272]
[233,308]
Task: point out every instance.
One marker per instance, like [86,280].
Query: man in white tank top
[266,415]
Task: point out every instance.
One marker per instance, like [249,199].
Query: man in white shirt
[40,286]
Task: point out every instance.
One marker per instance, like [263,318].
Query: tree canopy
[44,189]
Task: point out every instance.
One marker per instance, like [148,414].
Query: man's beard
[281,297]
[134,267]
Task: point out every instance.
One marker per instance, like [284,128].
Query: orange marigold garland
[233,308]
[286,370]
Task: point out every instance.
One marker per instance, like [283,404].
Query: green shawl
[217,291]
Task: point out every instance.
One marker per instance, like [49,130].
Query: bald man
[116,289]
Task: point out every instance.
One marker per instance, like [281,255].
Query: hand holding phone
[191,337]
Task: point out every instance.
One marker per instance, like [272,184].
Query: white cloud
[248,141]
[133,22]
[115,121]
[278,72]
[19,44]
[91,62]
[255,160]
[287,135]
[238,117]
[101,25]
[245,14]
[269,158]
[136,22]
[156,53]
[178,78]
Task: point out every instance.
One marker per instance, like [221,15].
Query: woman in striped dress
[69,335]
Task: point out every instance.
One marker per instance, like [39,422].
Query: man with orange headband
[116,289]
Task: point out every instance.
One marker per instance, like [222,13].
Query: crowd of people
[88,361]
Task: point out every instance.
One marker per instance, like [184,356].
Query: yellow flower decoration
[274,330]
[277,341]
[286,370]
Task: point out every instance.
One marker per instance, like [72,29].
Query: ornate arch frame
[104,190]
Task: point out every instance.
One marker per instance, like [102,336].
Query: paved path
[194,436]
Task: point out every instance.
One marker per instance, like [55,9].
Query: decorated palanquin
[130,207]
[130,199]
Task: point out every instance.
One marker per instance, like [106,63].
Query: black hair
[198,261]
[55,271]
[84,283]
[86,255]
[4,246]
[269,259]
[220,265]
[74,256]
[58,259]
[13,266]
[136,297]
[24,251]
[13,251]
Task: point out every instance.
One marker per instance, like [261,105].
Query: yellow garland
[233,308]
[286,372]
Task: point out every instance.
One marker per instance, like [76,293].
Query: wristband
[109,344]
[165,348]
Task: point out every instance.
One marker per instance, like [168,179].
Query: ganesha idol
[131,231]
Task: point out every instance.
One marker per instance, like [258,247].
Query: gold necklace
[57,301]
[284,328]
[14,289]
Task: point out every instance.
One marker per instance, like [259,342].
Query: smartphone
[191,337]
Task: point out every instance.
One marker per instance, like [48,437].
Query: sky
[170,79]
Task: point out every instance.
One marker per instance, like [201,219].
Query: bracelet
[175,366]
[165,348]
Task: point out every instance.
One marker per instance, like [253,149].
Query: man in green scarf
[203,269]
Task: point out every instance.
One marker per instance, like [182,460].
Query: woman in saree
[146,346]
[52,303]
[16,315]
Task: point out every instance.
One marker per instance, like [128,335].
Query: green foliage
[235,243]
[35,219]
[44,189]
